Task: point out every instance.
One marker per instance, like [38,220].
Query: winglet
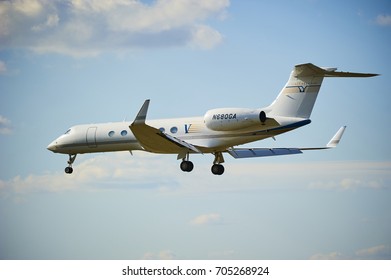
[154,140]
[332,143]
[337,137]
[142,114]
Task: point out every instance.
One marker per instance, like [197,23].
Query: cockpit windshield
[68,131]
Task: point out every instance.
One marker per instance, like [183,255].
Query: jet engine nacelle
[226,119]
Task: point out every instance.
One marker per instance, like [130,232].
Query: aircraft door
[91,137]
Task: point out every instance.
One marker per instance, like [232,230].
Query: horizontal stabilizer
[309,69]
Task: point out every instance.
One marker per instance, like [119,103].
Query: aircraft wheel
[187,166]
[68,170]
[217,169]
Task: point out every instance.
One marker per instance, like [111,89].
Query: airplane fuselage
[117,136]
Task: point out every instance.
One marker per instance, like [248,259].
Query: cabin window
[162,129]
[124,132]
[111,133]
[174,129]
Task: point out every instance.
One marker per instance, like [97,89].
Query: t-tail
[298,97]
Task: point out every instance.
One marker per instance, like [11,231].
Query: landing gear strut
[217,168]
[69,169]
[186,164]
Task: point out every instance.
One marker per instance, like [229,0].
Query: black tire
[187,166]
[68,170]
[217,169]
[190,166]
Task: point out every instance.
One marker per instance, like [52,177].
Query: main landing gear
[69,169]
[217,168]
[186,164]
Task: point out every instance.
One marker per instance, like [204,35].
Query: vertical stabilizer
[298,97]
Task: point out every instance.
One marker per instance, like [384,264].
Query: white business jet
[219,131]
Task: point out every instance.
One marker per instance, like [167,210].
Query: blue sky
[69,62]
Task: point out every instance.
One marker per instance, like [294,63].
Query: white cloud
[5,124]
[207,219]
[383,20]
[82,28]
[380,252]
[51,21]
[3,67]
[205,37]
[349,184]
[222,255]
[28,8]
[353,175]
[329,256]
[161,173]
[99,173]
[162,255]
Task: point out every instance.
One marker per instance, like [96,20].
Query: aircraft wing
[154,140]
[265,152]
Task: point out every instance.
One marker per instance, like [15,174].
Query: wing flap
[181,143]
[262,152]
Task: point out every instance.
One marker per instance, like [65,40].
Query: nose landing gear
[69,169]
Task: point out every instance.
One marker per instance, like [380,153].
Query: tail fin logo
[302,88]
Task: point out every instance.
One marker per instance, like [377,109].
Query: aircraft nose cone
[52,146]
